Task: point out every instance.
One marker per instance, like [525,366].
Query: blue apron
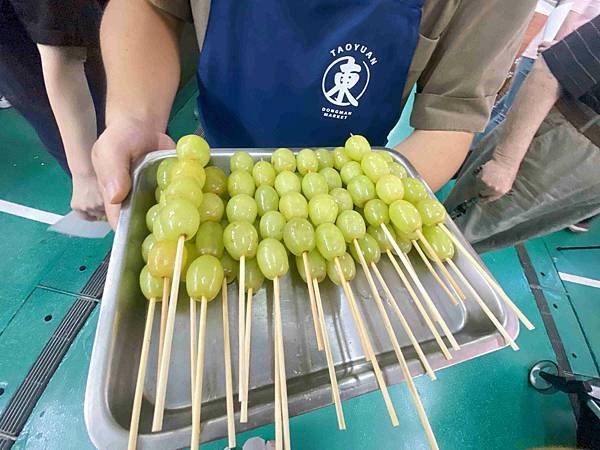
[292,73]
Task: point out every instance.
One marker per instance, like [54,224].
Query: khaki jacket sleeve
[178,8]
[468,63]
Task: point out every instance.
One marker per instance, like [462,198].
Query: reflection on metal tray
[115,358]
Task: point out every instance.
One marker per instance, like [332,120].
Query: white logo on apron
[346,79]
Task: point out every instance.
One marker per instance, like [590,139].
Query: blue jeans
[502,107]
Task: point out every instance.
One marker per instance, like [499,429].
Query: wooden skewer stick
[193,350]
[247,342]
[281,367]
[163,377]
[361,335]
[241,319]
[197,400]
[164,311]
[330,367]
[433,273]
[419,306]
[440,265]
[360,325]
[414,277]
[402,361]
[141,377]
[487,277]
[311,295]
[403,322]
[277,388]
[483,305]
[228,375]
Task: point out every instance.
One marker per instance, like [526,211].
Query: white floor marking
[29,213]
[579,280]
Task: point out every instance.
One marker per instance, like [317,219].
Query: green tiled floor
[484,403]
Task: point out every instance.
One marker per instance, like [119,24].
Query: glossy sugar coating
[241,208]
[283,159]
[179,217]
[362,189]
[272,258]
[374,165]
[357,147]
[263,173]
[414,190]
[240,182]
[398,169]
[286,182]
[241,161]
[340,158]
[351,224]
[306,161]
[193,147]
[151,216]
[216,181]
[313,184]
[183,187]
[432,211]
[188,168]
[376,212]
[299,236]
[163,172]
[272,225]
[147,244]
[348,269]
[389,188]
[204,278]
[370,249]
[266,199]
[440,242]
[150,285]
[209,239]
[212,208]
[322,208]
[293,204]
[240,239]
[349,171]
[330,241]
[317,264]
[161,259]
[405,217]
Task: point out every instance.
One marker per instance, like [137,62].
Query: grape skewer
[152,289]
[228,374]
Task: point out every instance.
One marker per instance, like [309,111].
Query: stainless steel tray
[115,357]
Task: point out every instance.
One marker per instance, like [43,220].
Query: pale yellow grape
[271,225]
[193,147]
[184,187]
[209,239]
[240,239]
[332,177]
[286,182]
[204,278]
[325,158]
[343,199]
[322,208]
[389,188]
[240,182]
[313,184]
[299,236]
[414,190]
[432,211]
[317,264]
[151,216]
[147,244]
[263,173]
[179,217]
[163,172]
[150,285]
[230,267]
[357,147]
[293,205]
[241,208]
[266,199]
[283,159]
[348,269]
[188,168]
[241,161]
[376,212]
[212,208]
[349,171]
[161,258]
[254,277]
[216,181]
[362,189]
[306,161]
[340,158]
[351,224]
[369,248]
[272,258]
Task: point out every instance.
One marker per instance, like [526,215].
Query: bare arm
[140,51]
[436,155]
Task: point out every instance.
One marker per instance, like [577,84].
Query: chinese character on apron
[292,73]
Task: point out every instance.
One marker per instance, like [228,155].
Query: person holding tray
[304,74]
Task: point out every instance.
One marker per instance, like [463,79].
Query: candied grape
[209,239]
[348,269]
[369,247]
[161,259]
[322,208]
[212,208]
[390,188]
[240,182]
[374,166]
[163,172]
[376,212]
[432,212]
[240,239]
[283,159]
[340,158]
[330,241]
[263,173]
[188,168]
[343,199]
[204,278]
[350,170]
[151,216]
[241,208]
[405,217]
[306,161]
[299,236]
[179,217]
[150,285]
[357,147]
[272,258]
[351,224]
[193,147]
[184,187]
[266,199]
[286,182]
[362,189]
[398,169]
[314,184]
[272,225]
[332,177]
[241,161]
[147,244]
[325,158]
[216,181]
[414,190]
[293,205]
[317,264]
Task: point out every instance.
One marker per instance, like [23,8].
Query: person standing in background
[51,72]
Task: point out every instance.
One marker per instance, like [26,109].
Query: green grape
[404,241]
[191,254]
[374,166]
[209,239]
[150,285]
[241,161]
[184,187]
[332,177]
[379,235]
[161,259]
[240,239]
[272,258]
[263,173]
[314,184]
[163,172]
[157,230]
[390,188]
[351,224]
[216,181]
[272,225]
[179,217]
[147,244]
[254,278]
[432,212]
[204,278]
[348,269]
[193,147]
[322,208]
[240,182]
[230,267]
[340,158]
[405,217]
[330,241]
[299,236]
[283,159]
[398,169]
[151,216]
[241,208]
[188,168]
[158,194]
[440,242]
[376,212]
[361,189]
[266,199]
[293,205]
[317,264]
[357,147]
[369,247]
[349,171]
[306,161]
[342,198]
[325,158]
[286,182]
[385,154]
[212,208]
[414,190]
